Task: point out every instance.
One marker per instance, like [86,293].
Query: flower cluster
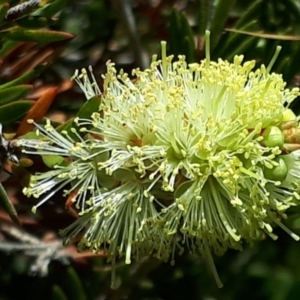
[202,156]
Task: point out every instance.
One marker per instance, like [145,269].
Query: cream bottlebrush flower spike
[198,156]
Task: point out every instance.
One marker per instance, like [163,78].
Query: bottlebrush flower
[198,156]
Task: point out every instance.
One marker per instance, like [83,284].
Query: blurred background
[42,44]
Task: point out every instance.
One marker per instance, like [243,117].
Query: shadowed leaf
[89,107]
[20,172]
[13,93]
[85,111]
[7,47]
[34,22]
[58,294]
[22,79]
[221,14]
[51,9]
[31,35]
[8,206]
[73,285]
[3,10]
[13,111]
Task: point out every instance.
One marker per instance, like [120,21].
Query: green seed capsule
[277,173]
[273,137]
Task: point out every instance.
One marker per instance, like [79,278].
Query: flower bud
[289,120]
[288,115]
[273,137]
[277,173]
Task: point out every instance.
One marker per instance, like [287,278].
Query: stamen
[207,48]
[273,60]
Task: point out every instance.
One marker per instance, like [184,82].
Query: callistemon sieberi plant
[201,157]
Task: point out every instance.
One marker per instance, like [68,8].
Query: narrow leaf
[34,35]
[10,94]
[8,206]
[58,293]
[234,40]
[52,160]
[73,286]
[51,9]
[203,16]
[65,126]
[3,10]
[89,107]
[221,15]
[15,110]
[249,43]
[250,14]
[34,22]
[23,78]
[20,172]
[7,46]
[85,111]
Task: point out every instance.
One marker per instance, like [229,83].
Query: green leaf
[13,111]
[58,293]
[34,35]
[32,135]
[234,40]
[105,180]
[188,41]
[181,36]
[175,32]
[7,46]
[221,15]
[52,160]
[182,188]
[73,286]
[249,43]
[104,156]
[8,206]
[3,10]
[23,78]
[85,111]
[65,126]
[13,93]
[51,9]
[34,22]
[203,16]
[292,8]
[250,14]
[89,107]
[123,175]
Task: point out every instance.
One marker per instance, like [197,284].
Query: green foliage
[181,36]
[13,111]
[259,27]
[7,205]
[16,23]
[21,23]
[14,93]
